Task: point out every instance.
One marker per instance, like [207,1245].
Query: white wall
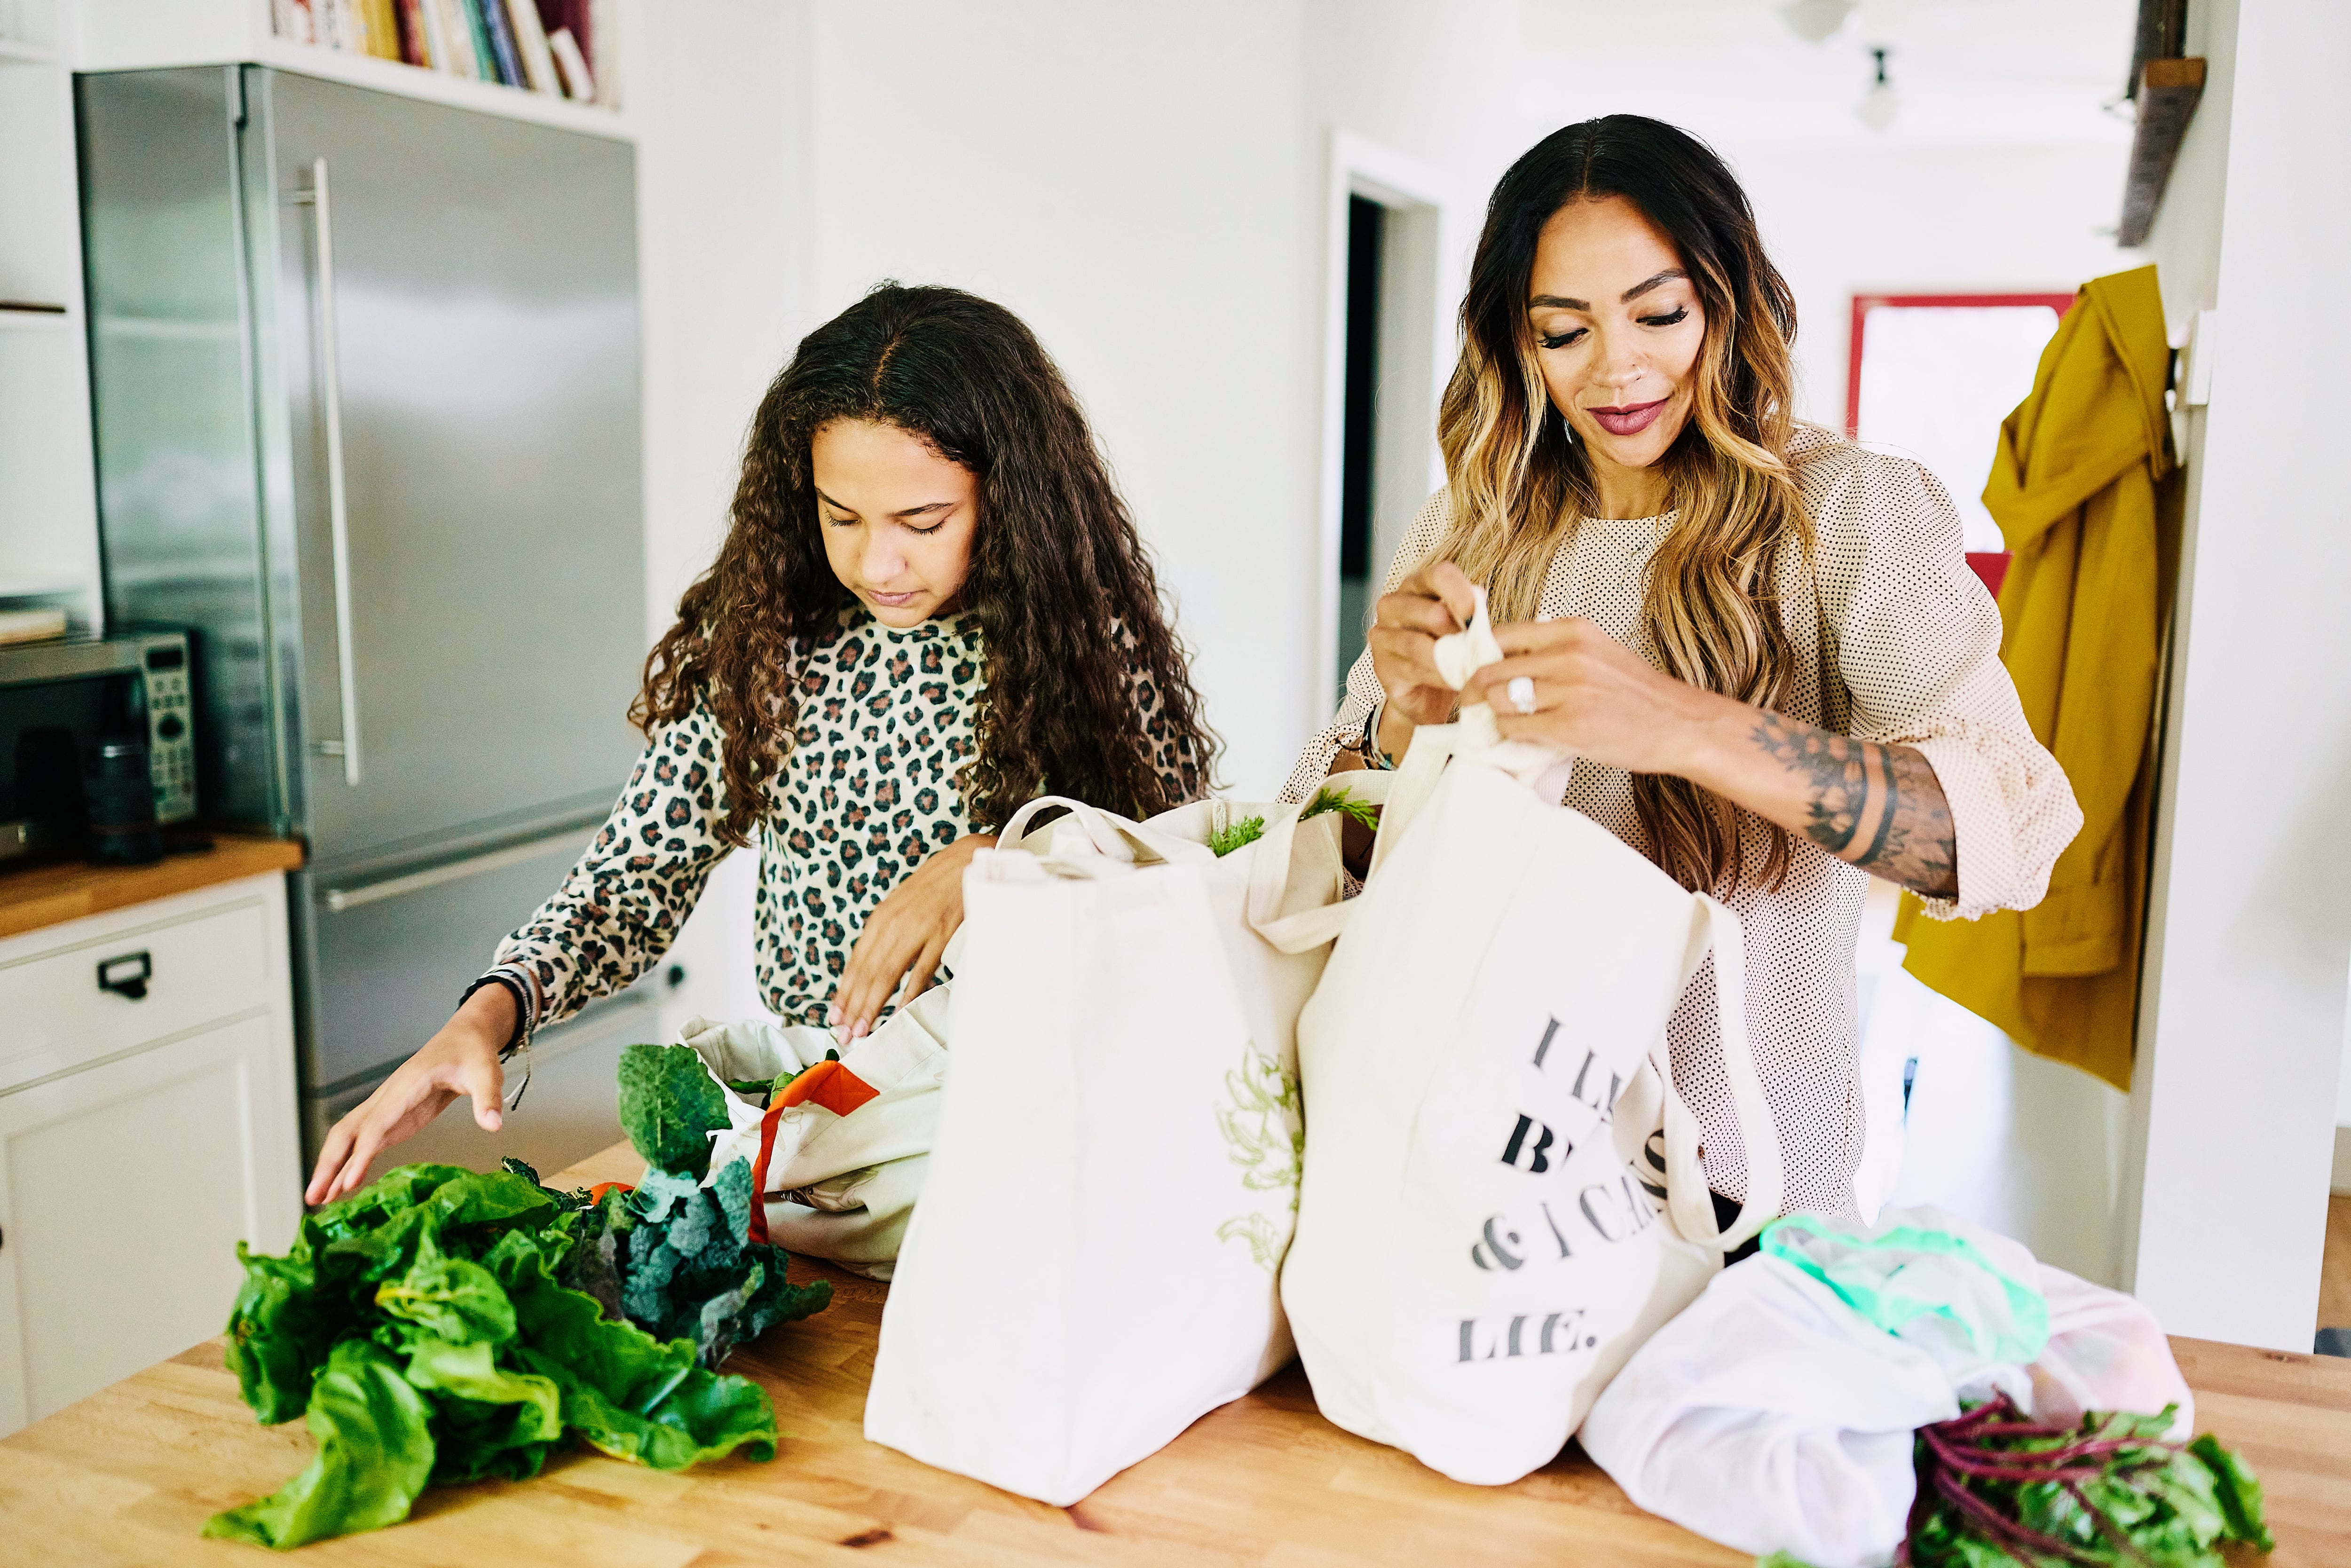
[1140,186]
[724,253]
[1894,219]
[2241,1032]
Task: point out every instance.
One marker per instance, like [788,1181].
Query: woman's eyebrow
[1562,302]
[925,507]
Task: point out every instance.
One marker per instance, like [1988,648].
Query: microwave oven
[58,701]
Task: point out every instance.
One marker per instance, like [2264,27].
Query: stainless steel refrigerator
[365,376]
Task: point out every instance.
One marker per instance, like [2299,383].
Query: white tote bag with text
[1112,1185]
[1480,1243]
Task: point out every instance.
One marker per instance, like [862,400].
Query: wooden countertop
[130,1475]
[41,895]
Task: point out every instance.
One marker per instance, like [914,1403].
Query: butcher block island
[128,1477]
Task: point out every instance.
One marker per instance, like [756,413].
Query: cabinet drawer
[201,966]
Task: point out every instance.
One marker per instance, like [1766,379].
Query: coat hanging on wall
[2078,490]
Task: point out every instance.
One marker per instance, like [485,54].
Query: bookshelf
[121,34]
[49,508]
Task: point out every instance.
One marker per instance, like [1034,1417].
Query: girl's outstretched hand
[904,938]
[461,1060]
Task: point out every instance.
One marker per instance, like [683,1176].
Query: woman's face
[897,519]
[1617,329]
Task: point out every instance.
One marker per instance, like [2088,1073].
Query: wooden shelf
[415,81]
[2168,92]
[45,896]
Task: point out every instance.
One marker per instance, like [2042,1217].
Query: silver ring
[1522,692]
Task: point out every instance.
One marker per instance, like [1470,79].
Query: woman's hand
[904,938]
[463,1059]
[1435,602]
[1597,698]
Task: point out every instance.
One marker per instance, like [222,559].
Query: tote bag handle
[1111,834]
[1759,1134]
[1687,1195]
[1272,861]
[1275,861]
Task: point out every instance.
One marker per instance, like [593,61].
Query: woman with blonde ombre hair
[1762,643]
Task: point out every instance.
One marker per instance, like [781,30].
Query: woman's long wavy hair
[1519,485]
[1070,619]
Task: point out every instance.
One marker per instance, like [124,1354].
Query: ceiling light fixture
[1816,19]
[1877,109]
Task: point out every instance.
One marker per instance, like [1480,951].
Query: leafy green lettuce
[420,1328]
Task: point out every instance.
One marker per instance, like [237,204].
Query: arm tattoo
[1879,806]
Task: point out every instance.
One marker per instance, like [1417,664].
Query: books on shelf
[562,48]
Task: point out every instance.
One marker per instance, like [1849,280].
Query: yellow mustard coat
[2077,489]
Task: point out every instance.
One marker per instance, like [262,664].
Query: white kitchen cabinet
[141,1137]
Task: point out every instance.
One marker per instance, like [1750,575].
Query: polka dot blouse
[1896,642]
[868,789]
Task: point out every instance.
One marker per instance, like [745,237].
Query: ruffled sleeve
[1359,707]
[1916,639]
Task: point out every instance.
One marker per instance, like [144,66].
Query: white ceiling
[1969,72]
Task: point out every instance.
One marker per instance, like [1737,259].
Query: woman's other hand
[1435,602]
[463,1059]
[1592,696]
[904,938]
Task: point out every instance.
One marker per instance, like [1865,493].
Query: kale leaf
[669,1107]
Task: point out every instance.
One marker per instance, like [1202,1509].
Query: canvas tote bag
[838,1159]
[1492,1129]
[1112,1185]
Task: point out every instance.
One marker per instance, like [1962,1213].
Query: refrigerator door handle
[331,383]
[338,899]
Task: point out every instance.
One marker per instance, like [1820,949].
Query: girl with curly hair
[930,607]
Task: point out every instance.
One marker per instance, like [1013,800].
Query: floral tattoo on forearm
[1879,806]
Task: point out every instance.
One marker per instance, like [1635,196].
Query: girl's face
[897,519]
[1617,329]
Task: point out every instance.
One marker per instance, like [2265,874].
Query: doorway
[1383,360]
[1932,375]
[1359,438]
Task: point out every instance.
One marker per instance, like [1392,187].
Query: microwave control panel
[170,736]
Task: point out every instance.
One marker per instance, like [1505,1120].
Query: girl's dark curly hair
[1071,621]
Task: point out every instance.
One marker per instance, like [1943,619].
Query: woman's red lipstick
[1630,420]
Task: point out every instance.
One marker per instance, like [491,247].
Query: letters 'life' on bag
[1480,1241]
[1114,1180]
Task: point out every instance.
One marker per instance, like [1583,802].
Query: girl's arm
[624,904]
[614,917]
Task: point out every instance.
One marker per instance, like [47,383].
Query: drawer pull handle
[127,975]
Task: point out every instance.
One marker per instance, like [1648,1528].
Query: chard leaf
[279,1333]
[2236,1491]
[669,1107]
[375,1454]
[449,1299]
[629,1395]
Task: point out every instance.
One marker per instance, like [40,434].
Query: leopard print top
[867,789]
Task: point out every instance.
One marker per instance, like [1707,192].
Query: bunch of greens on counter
[674,1254]
[1249,830]
[420,1327]
[443,1324]
[1997,1489]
